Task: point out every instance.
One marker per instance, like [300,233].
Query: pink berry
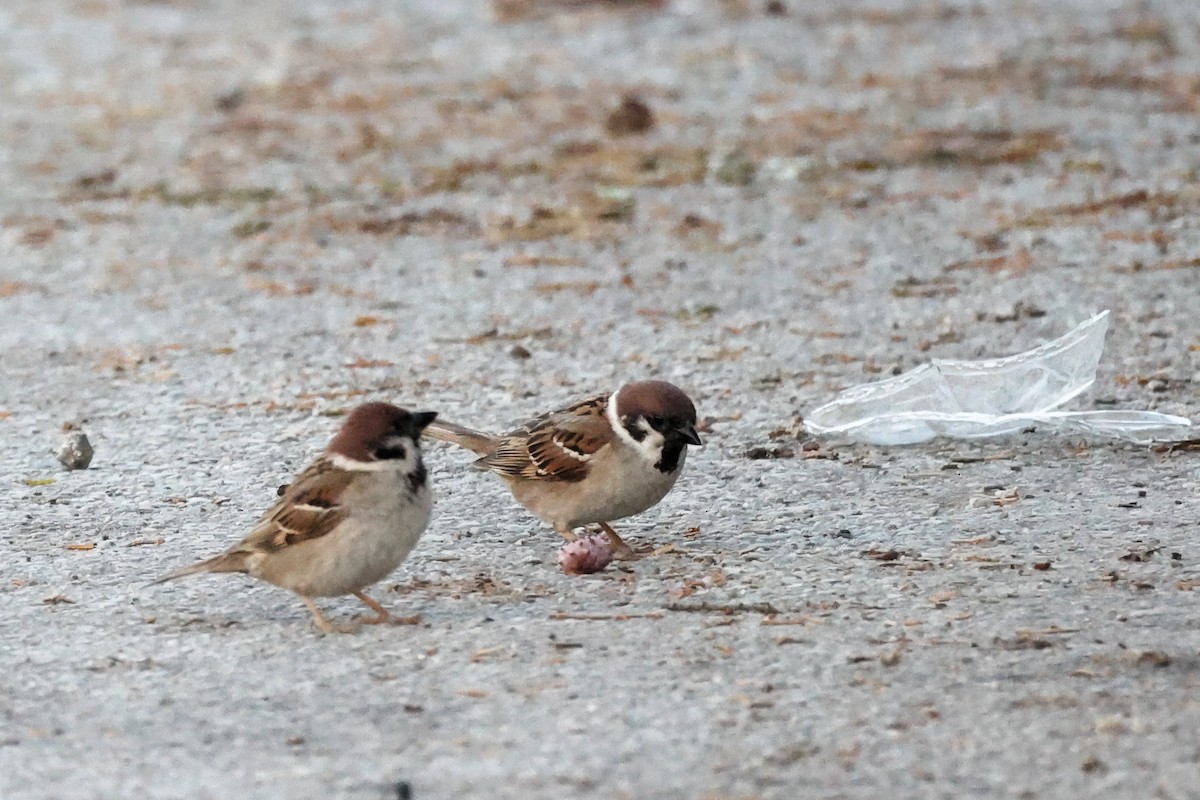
[585,555]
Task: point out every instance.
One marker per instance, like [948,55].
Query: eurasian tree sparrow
[601,459]
[347,521]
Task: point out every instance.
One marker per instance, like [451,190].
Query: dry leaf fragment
[1023,641]
[1154,658]
[277,289]
[535,260]
[366,363]
[977,148]
[1140,555]
[804,619]
[563,615]
[762,453]
[1017,263]
[939,599]
[83,546]
[486,652]
[9,288]
[582,287]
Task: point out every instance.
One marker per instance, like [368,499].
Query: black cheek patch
[389,453]
[672,450]
[635,431]
[416,478]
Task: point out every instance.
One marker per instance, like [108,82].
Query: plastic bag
[992,397]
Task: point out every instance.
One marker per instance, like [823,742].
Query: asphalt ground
[222,225]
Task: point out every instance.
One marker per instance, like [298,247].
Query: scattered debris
[1154,658]
[999,496]
[960,147]
[760,453]
[725,608]
[1140,555]
[563,615]
[1023,641]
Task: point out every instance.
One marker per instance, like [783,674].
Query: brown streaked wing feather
[554,446]
[309,509]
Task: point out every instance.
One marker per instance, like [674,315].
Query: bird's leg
[621,551]
[324,625]
[566,533]
[382,616]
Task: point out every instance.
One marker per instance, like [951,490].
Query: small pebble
[585,555]
[632,116]
[76,451]
[736,169]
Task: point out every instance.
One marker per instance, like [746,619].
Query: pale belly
[634,487]
[359,552]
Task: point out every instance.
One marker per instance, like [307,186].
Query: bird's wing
[309,508]
[558,446]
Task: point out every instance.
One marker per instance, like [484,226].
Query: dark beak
[689,435]
[422,418]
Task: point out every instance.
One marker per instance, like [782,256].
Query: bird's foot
[621,550]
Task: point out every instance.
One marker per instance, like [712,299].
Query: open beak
[689,435]
[422,418]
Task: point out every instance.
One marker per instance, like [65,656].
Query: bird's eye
[656,422]
[390,450]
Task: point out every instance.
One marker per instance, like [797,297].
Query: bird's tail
[476,441]
[226,562]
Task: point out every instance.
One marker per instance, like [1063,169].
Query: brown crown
[370,424]
[655,399]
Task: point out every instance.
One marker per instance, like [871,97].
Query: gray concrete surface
[221,224]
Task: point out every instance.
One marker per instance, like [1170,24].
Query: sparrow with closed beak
[347,520]
[600,459]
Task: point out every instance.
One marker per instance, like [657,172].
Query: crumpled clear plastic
[992,397]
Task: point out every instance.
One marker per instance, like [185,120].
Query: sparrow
[597,460]
[347,520]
